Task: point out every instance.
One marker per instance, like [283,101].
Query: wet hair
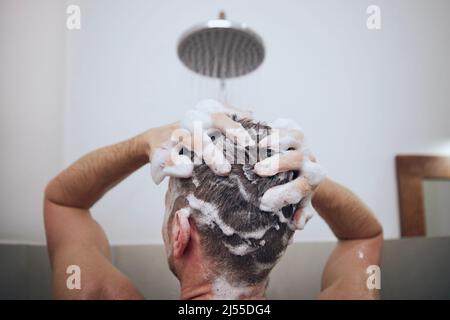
[243,242]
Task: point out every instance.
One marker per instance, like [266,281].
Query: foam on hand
[311,174]
[303,214]
[165,163]
[157,162]
[209,114]
[313,171]
[269,166]
[215,158]
[202,114]
[280,196]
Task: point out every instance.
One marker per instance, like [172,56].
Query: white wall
[362,96]
[31,112]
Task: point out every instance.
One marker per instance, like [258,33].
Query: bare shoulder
[98,279]
[80,257]
[119,288]
[345,275]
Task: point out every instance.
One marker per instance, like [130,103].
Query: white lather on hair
[210,217]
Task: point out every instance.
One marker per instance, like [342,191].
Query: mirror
[414,194]
[437,207]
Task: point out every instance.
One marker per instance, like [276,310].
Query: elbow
[55,192]
[51,190]
[369,227]
[49,200]
[377,229]
[374,228]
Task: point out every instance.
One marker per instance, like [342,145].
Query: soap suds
[185,212]
[286,136]
[157,164]
[241,249]
[264,266]
[207,114]
[182,167]
[313,172]
[210,217]
[269,166]
[241,187]
[214,158]
[291,225]
[225,291]
[201,114]
[256,234]
[210,214]
[164,163]
[280,196]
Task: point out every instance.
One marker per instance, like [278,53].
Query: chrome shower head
[221,49]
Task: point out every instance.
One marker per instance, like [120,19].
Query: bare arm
[89,178]
[357,229]
[73,236]
[359,246]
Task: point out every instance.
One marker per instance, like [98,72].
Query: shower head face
[221,49]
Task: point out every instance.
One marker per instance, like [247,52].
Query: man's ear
[181,232]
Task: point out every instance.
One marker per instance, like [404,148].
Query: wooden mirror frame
[411,170]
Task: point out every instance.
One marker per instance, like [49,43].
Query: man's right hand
[165,145]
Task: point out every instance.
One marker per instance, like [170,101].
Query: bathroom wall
[361,96]
[31,112]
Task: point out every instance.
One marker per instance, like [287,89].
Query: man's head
[218,219]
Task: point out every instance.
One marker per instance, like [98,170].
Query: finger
[168,162]
[191,141]
[303,214]
[182,167]
[282,139]
[280,162]
[196,120]
[313,172]
[159,157]
[214,157]
[232,110]
[310,156]
[204,148]
[280,196]
[232,129]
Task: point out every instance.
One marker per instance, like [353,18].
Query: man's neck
[201,289]
[199,283]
